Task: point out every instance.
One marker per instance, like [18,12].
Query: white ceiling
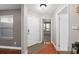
[9,6]
[48,10]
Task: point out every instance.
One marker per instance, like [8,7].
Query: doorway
[46,30]
[63,29]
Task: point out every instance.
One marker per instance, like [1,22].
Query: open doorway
[63,29]
[46,30]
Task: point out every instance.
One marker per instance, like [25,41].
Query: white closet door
[63,32]
[33,30]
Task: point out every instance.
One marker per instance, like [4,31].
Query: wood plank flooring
[49,49]
[45,49]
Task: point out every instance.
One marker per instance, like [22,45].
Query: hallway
[63,27]
[40,48]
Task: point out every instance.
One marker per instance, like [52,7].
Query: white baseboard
[33,43]
[40,42]
[10,47]
[54,45]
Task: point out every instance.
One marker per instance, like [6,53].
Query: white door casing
[63,40]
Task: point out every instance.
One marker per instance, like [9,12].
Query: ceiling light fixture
[43,5]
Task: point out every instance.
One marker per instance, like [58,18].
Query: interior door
[33,30]
[63,32]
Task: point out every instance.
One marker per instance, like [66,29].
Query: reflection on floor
[42,48]
[9,51]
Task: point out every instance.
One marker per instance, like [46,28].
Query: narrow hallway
[40,24]
[40,48]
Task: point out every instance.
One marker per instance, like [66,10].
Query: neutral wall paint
[33,25]
[16,28]
[63,31]
[54,30]
[74,19]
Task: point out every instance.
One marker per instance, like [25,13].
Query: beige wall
[74,19]
[54,30]
[16,28]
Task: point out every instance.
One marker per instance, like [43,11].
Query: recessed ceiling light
[43,5]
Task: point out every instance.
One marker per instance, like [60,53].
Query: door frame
[58,27]
[42,33]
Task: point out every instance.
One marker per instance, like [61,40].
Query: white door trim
[10,47]
[58,25]
[42,30]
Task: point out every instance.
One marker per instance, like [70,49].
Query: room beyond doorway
[46,30]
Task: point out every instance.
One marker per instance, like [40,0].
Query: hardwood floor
[9,51]
[46,48]
[49,49]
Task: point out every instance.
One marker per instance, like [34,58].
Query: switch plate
[14,43]
[75,27]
